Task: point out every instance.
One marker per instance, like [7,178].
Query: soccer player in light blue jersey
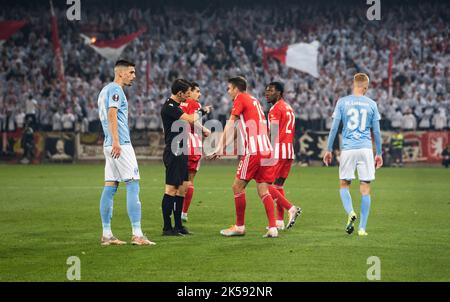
[121,164]
[358,114]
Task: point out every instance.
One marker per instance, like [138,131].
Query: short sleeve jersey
[112,96]
[283,116]
[357,113]
[252,124]
[190,106]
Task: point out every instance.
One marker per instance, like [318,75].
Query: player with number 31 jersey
[358,114]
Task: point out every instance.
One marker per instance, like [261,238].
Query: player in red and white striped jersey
[257,151]
[190,106]
[282,124]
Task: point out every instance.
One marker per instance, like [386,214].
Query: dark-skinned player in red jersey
[282,124]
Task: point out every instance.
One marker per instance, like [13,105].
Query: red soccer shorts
[282,168]
[194,163]
[255,167]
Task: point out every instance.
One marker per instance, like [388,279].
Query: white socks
[137,232]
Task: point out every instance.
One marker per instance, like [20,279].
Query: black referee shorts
[176,168]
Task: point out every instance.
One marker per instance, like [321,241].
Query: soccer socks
[346,200]
[167,206]
[281,201]
[106,209]
[178,206]
[365,209]
[239,201]
[270,209]
[280,209]
[188,198]
[134,207]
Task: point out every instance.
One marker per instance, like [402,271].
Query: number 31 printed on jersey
[354,121]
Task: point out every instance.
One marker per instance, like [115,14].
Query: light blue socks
[365,209]
[346,200]
[134,206]
[106,209]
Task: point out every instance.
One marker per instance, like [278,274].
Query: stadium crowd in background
[210,44]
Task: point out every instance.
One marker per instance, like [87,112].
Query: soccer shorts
[282,168]
[123,168]
[357,159]
[257,167]
[194,163]
[176,168]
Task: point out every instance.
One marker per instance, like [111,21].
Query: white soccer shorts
[123,168]
[357,159]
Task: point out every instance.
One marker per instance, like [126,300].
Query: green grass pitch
[50,212]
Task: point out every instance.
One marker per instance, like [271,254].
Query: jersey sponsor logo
[115,97]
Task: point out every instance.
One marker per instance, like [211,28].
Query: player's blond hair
[361,78]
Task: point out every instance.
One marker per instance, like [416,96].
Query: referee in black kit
[175,156]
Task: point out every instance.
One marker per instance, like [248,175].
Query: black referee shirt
[170,113]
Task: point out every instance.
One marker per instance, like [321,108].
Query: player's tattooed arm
[113,127]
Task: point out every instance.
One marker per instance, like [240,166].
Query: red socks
[188,198]
[239,201]
[282,203]
[270,209]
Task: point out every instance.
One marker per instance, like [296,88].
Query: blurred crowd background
[210,41]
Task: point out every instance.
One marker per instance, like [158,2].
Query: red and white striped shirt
[283,115]
[252,125]
[195,144]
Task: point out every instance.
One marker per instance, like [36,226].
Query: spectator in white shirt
[425,121]
[409,122]
[68,121]
[140,121]
[153,121]
[20,118]
[31,110]
[57,121]
[396,119]
[439,119]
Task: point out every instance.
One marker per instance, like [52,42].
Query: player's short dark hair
[278,86]
[239,82]
[194,84]
[180,85]
[124,63]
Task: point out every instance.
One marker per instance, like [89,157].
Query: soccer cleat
[184,217]
[362,232]
[171,232]
[280,225]
[294,212]
[271,233]
[183,231]
[105,241]
[350,221]
[234,230]
[141,240]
